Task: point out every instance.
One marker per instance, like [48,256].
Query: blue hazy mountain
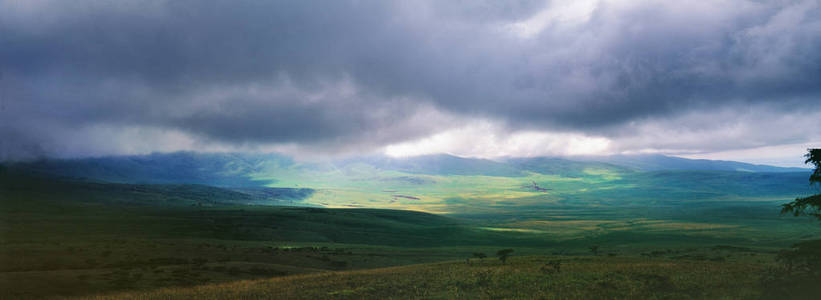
[218,169]
[563,167]
[655,162]
[440,164]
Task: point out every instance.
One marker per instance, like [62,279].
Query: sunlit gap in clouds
[558,13]
[488,140]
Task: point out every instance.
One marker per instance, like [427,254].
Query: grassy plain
[659,235]
[587,202]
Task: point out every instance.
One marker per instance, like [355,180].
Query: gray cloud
[356,75]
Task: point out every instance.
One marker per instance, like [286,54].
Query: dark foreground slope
[198,211]
[521,278]
[63,237]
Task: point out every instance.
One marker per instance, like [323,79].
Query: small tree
[801,264]
[479,255]
[504,254]
[594,249]
[808,205]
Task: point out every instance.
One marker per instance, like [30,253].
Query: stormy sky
[728,79]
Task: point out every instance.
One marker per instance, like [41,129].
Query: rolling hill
[657,162]
[444,183]
[235,169]
[218,169]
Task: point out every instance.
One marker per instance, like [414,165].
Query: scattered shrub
[504,254]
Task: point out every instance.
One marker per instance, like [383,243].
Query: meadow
[567,200]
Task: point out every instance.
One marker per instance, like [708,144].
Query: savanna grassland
[198,226]
[530,277]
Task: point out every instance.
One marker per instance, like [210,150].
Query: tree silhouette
[479,255]
[801,264]
[808,205]
[504,254]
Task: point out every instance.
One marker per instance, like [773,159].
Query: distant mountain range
[655,162]
[234,169]
[218,169]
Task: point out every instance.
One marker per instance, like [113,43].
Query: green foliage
[814,156]
[808,205]
[479,255]
[800,266]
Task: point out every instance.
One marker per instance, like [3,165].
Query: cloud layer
[86,78]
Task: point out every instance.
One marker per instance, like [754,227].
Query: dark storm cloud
[369,73]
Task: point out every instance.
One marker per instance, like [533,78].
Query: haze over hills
[657,162]
[449,184]
[516,193]
[236,169]
[219,169]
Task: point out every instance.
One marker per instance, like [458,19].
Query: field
[368,229]
[573,200]
[521,278]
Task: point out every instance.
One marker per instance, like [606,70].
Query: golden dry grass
[521,278]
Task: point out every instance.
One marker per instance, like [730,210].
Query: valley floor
[62,238]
